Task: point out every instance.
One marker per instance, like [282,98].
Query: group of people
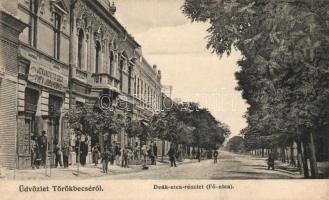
[122,156]
[39,146]
[81,150]
[39,149]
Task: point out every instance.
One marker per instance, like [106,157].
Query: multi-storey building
[106,60]
[10,28]
[71,53]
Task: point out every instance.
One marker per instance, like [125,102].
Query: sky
[178,48]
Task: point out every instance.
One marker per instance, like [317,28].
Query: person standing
[43,144]
[117,154]
[34,153]
[144,154]
[193,153]
[58,156]
[66,154]
[198,155]
[95,154]
[151,155]
[124,157]
[84,152]
[215,156]
[172,158]
[105,160]
[270,161]
[136,151]
[155,150]
[112,155]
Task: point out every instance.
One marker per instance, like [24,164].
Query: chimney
[112,8]
[155,67]
[159,73]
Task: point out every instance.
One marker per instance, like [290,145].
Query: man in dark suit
[172,156]
[43,145]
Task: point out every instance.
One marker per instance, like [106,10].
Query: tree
[284,70]
[97,123]
[236,144]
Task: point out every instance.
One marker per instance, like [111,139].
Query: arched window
[80,48]
[98,51]
[33,23]
[121,72]
[111,58]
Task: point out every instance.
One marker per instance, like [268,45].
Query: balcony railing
[81,74]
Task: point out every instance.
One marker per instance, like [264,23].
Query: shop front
[42,102]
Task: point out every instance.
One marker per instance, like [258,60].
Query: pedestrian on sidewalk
[117,154]
[95,154]
[66,154]
[43,145]
[35,155]
[198,155]
[155,150]
[144,154]
[193,153]
[151,155]
[125,155]
[172,156]
[105,160]
[58,156]
[136,151]
[270,161]
[215,156]
[112,157]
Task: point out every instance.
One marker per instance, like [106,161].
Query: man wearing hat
[43,143]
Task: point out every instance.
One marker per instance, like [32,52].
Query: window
[98,50]
[129,79]
[57,34]
[135,85]
[111,62]
[121,73]
[142,92]
[148,95]
[33,23]
[138,87]
[80,48]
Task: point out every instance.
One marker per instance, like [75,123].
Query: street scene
[164,89]
[229,166]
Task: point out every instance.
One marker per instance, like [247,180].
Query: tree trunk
[163,150]
[292,158]
[314,167]
[305,164]
[263,152]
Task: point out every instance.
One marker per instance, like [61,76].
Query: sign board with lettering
[46,77]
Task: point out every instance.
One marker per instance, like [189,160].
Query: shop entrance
[55,104]
[27,128]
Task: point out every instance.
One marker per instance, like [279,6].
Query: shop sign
[46,77]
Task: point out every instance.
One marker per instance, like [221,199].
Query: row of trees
[284,74]
[186,124]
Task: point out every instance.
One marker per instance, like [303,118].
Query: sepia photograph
[104,91]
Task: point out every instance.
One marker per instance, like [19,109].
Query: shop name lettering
[47,78]
[60,188]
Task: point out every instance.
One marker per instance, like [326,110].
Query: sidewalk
[85,172]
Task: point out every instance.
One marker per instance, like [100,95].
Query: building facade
[10,28]
[106,60]
[72,52]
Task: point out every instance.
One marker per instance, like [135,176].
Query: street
[229,166]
